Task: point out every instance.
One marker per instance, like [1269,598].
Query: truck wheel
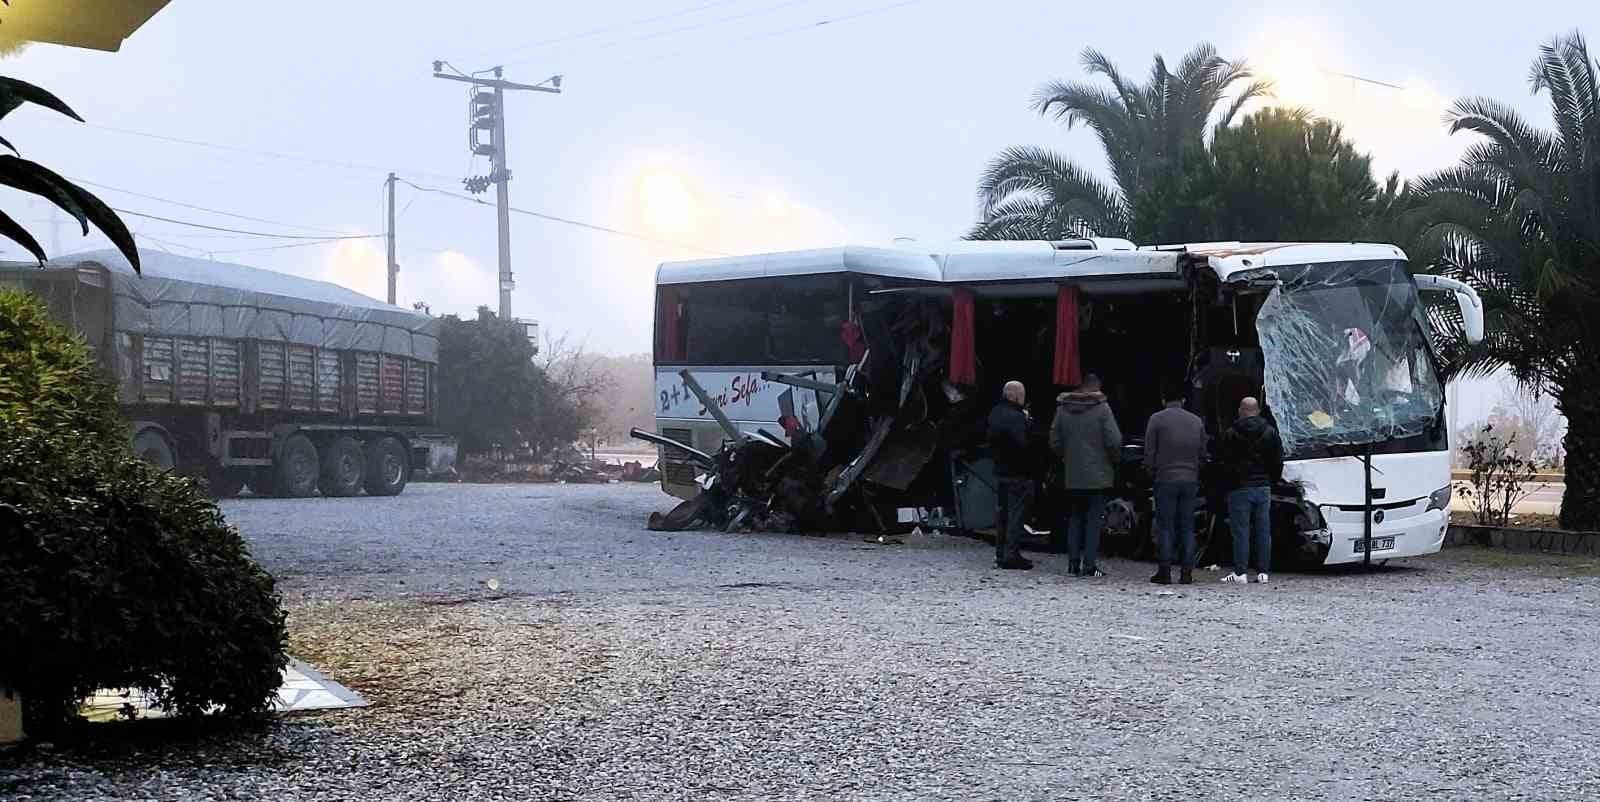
[344,466]
[223,482]
[296,468]
[260,482]
[388,467]
[151,446]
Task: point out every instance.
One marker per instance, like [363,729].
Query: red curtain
[1068,370]
[669,326]
[854,340]
[963,354]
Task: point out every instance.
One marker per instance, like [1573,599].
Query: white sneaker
[1239,579]
[1261,578]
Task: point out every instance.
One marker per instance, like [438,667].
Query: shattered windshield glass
[1347,356]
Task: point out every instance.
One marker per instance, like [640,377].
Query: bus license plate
[1378,544]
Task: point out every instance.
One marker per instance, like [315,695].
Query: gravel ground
[615,663]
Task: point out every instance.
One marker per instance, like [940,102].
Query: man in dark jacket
[1252,455]
[1085,435]
[1008,446]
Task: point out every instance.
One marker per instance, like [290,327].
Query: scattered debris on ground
[566,467]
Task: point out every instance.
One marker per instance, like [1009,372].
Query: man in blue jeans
[1252,454]
[1174,444]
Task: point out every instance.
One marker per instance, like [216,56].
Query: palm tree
[1034,193]
[1519,219]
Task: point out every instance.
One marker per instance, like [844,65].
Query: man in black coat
[1008,446]
[1252,454]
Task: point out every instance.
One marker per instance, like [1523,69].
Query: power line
[779,32]
[834,20]
[613,27]
[345,165]
[693,27]
[203,208]
[240,230]
[568,221]
[329,241]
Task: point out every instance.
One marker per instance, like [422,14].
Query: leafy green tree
[492,393]
[1148,132]
[1282,175]
[1519,219]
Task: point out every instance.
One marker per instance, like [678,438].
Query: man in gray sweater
[1174,445]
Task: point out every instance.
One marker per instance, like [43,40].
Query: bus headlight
[1440,499]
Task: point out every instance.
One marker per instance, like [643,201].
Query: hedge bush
[113,574]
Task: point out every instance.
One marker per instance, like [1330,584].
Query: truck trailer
[250,378]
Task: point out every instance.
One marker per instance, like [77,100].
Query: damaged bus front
[1352,381]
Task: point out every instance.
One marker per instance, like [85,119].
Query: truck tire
[223,482]
[388,467]
[344,467]
[296,468]
[261,484]
[152,446]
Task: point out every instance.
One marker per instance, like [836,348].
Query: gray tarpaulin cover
[180,296]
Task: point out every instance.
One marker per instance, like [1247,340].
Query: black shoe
[1186,576]
[1092,571]
[1075,568]
[1018,563]
[1163,575]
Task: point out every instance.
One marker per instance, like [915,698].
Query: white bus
[1334,336]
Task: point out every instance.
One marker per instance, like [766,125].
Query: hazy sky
[737,125]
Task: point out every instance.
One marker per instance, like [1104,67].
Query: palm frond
[1044,174]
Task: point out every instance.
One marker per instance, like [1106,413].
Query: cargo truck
[250,378]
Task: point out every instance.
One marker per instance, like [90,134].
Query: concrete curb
[1529,540]
[1547,478]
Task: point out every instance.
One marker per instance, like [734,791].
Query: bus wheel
[296,468]
[344,466]
[151,446]
[388,467]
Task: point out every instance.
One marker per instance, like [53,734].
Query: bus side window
[807,315]
[726,323]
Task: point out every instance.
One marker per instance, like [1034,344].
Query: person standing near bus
[1008,447]
[1252,453]
[1174,444]
[1085,436]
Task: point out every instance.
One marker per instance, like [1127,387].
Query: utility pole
[388,234]
[487,112]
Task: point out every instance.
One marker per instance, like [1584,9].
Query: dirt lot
[615,663]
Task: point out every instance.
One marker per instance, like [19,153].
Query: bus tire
[296,468]
[344,467]
[153,447]
[388,467]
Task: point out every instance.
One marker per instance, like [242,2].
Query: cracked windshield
[1348,358]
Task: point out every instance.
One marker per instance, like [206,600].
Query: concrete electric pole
[487,112]
[388,234]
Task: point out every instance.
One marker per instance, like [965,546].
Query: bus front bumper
[1393,537]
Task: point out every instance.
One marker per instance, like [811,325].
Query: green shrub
[113,574]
